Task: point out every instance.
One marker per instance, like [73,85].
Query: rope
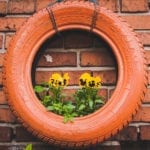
[52,17]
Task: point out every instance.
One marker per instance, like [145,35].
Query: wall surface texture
[70,52]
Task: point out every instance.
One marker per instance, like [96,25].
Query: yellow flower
[84,79]
[56,80]
[66,79]
[97,82]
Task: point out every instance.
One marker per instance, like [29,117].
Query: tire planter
[96,127]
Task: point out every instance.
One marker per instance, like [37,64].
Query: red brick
[1,59]
[148,57]
[43,76]
[11,23]
[3,7]
[127,134]
[111,92]
[58,59]
[42,4]
[6,134]
[2,98]
[145,132]
[1,41]
[1,82]
[143,115]
[108,77]
[148,76]
[138,21]
[23,6]
[147,96]
[6,116]
[103,92]
[22,135]
[100,43]
[97,58]
[69,94]
[109,4]
[107,147]
[56,41]
[77,39]
[8,39]
[144,37]
[134,6]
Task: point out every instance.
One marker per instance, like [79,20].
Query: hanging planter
[103,123]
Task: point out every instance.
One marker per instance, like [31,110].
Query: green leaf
[66,119]
[28,147]
[70,106]
[74,114]
[38,89]
[91,103]
[81,107]
[47,98]
[71,119]
[99,101]
[50,108]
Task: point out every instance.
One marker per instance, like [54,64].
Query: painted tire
[96,127]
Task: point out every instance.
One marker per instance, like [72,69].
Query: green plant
[28,147]
[86,99]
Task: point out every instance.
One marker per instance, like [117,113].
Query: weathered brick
[69,94]
[127,134]
[148,57]
[43,76]
[144,37]
[1,59]
[108,77]
[11,23]
[8,39]
[2,98]
[137,145]
[100,43]
[6,134]
[1,80]
[134,6]
[12,147]
[57,41]
[23,6]
[3,7]
[147,96]
[148,76]
[1,41]
[97,58]
[138,21]
[145,132]
[109,4]
[104,93]
[58,59]
[111,91]
[6,116]
[22,135]
[42,4]
[143,115]
[77,39]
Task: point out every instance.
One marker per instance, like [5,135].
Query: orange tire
[96,127]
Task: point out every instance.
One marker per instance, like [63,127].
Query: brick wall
[69,54]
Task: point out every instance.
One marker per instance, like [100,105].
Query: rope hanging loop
[94,17]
